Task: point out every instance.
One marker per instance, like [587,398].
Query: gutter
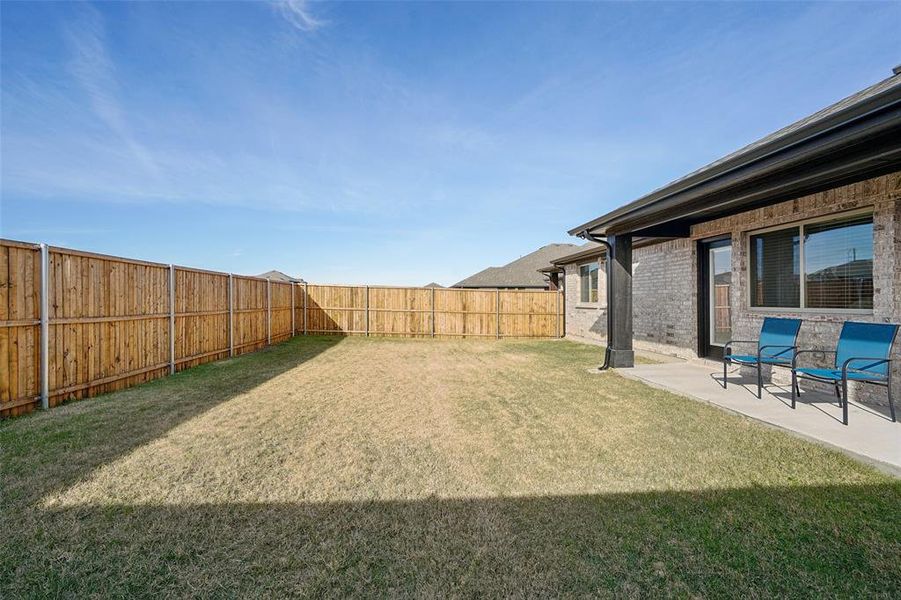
[586,235]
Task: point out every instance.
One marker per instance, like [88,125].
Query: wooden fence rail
[112,322]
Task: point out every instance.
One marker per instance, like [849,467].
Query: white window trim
[588,304]
[800,225]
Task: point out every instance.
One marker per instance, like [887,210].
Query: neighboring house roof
[521,273]
[279,276]
[854,139]
[590,250]
[433,285]
[585,251]
[853,269]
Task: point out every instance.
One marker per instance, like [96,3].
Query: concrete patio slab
[870,434]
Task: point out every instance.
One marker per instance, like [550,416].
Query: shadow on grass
[835,540]
[785,541]
[110,426]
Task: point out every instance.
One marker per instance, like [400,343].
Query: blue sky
[390,143]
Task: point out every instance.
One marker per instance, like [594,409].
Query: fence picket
[75,324]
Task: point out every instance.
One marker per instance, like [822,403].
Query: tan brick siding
[665,303]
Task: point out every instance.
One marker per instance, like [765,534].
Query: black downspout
[587,236]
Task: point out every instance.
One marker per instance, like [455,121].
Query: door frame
[705,348]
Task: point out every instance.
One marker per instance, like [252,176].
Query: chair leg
[725,366]
[891,404]
[845,400]
[795,390]
[759,382]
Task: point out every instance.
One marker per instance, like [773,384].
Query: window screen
[588,282]
[838,264]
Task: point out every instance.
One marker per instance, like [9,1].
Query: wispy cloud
[298,14]
[93,68]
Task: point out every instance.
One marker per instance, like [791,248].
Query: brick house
[805,222]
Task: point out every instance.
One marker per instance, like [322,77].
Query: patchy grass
[395,467]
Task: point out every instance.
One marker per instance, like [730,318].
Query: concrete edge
[647,353]
[884,467]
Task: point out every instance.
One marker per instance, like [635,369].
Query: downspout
[585,235]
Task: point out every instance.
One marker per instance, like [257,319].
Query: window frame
[868,211]
[597,265]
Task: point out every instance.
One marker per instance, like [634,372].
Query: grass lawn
[336,467]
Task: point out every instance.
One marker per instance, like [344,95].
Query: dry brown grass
[398,467]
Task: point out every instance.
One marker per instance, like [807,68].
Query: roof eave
[879,102]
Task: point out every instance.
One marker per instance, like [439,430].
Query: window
[776,268]
[825,264]
[588,282]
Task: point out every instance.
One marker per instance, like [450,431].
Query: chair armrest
[762,348]
[800,352]
[728,345]
[874,361]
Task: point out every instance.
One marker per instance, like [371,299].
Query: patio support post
[172,319]
[619,302]
[231,315]
[45,327]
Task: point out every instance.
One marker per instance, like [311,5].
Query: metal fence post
[268,312]
[231,315]
[45,327]
[172,319]
[497,317]
[367,311]
[293,308]
[433,312]
[306,300]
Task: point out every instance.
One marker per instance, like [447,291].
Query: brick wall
[665,279]
[663,282]
[664,298]
[585,321]
[821,329]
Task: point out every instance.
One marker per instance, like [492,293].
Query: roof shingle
[521,273]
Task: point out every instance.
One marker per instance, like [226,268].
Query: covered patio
[870,434]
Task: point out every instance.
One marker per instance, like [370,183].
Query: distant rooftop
[279,276]
[521,273]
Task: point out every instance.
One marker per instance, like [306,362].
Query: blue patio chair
[862,354]
[776,347]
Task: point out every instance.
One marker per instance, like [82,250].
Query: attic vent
[897,70]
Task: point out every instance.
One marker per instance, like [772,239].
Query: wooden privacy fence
[75,324]
[431,312]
